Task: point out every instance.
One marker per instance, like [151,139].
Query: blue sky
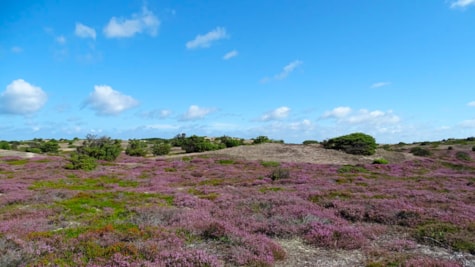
[400,70]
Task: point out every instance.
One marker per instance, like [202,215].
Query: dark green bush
[230,141]
[137,148]
[309,142]
[178,140]
[473,148]
[81,162]
[355,143]
[199,144]
[279,173]
[159,149]
[421,152]
[261,139]
[5,145]
[103,148]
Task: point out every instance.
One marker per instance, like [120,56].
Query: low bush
[279,173]
[464,156]
[261,139]
[103,148]
[310,142]
[380,161]
[159,149]
[355,143]
[81,162]
[136,148]
[421,152]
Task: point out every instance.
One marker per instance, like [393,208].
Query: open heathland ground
[261,205]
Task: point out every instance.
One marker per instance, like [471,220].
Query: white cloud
[16,49]
[277,114]
[156,114]
[162,127]
[106,101]
[60,39]
[122,27]
[471,104]
[204,41]
[380,84]
[84,31]
[462,3]
[338,112]
[289,68]
[195,112]
[22,98]
[362,116]
[230,55]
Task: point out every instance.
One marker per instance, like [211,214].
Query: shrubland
[210,210]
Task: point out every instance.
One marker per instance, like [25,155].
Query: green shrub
[51,146]
[261,139]
[5,145]
[270,163]
[310,142]
[355,143]
[199,144]
[461,155]
[279,173]
[81,162]
[103,148]
[230,141]
[421,152]
[159,149]
[473,148]
[380,161]
[137,148]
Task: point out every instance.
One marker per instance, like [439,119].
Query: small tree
[5,145]
[81,162]
[261,139]
[230,141]
[136,148]
[102,148]
[51,146]
[355,143]
[159,149]
[198,144]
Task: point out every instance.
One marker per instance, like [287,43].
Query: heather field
[219,210]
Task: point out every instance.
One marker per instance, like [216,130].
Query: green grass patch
[270,189]
[212,182]
[457,167]
[270,163]
[169,169]
[16,162]
[447,235]
[225,161]
[351,169]
[200,194]
[75,183]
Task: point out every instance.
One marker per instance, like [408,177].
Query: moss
[270,163]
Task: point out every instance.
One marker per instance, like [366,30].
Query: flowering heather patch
[220,211]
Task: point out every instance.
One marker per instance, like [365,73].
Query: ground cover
[216,210]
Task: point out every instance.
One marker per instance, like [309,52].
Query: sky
[292,70]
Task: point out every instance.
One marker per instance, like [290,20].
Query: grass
[270,163]
[75,183]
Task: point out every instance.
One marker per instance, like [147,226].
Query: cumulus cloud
[230,55]
[205,41]
[195,112]
[128,27]
[106,101]
[289,68]
[84,31]
[471,104]
[362,116]
[380,84]
[22,98]
[462,3]
[276,114]
[338,112]
[60,39]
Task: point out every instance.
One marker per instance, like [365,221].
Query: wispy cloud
[230,55]
[276,114]
[380,84]
[155,114]
[195,112]
[205,41]
[289,68]
[462,3]
[106,101]
[128,27]
[60,39]
[471,104]
[84,31]
[362,116]
[22,98]
[16,49]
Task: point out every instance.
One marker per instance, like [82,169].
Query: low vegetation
[355,143]
[214,210]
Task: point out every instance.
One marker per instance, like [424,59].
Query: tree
[355,143]
[159,149]
[50,146]
[102,148]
